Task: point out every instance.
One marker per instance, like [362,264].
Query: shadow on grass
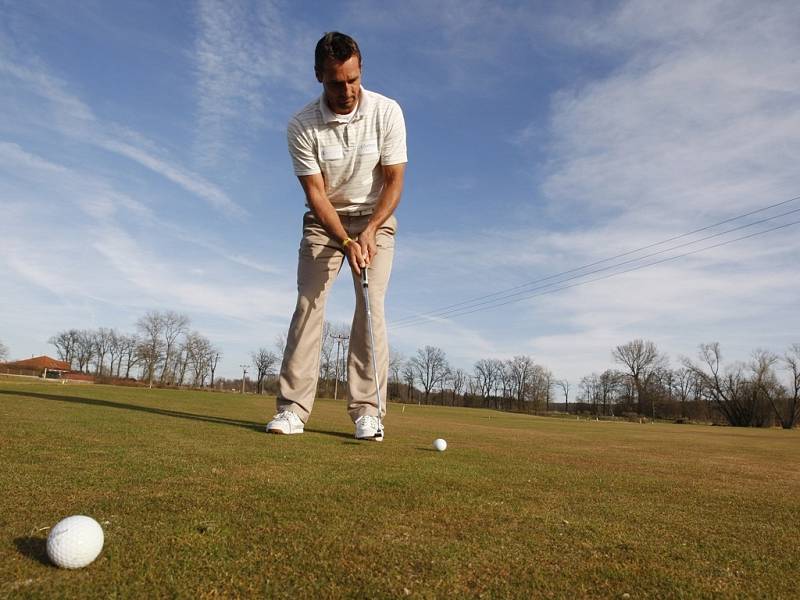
[34,548]
[259,427]
[339,434]
[135,407]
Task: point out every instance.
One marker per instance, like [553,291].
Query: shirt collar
[328,116]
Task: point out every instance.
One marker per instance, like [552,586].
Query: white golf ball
[440,444]
[75,542]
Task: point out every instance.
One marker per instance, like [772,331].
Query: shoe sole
[279,432]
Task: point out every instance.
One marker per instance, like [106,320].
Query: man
[348,150]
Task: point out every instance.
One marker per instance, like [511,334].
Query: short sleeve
[393,145]
[301,149]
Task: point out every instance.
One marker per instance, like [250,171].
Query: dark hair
[336,46]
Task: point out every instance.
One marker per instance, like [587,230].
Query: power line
[522,291]
[586,266]
[637,268]
[505,295]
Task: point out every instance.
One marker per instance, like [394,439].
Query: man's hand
[355,256]
[369,248]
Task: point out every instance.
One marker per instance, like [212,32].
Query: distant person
[348,148]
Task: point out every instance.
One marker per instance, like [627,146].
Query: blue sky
[143,165]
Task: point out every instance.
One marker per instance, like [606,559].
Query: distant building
[41,366]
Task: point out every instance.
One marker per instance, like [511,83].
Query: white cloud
[69,116]
[246,56]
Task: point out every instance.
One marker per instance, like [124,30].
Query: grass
[197,502]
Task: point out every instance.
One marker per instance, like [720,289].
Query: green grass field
[197,502]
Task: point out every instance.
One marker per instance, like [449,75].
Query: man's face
[342,84]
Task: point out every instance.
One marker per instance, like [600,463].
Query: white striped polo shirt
[349,151]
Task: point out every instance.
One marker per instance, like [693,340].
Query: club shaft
[365,285]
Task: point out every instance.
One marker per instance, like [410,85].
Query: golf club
[365,285]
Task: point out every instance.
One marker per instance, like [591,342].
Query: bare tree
[102,341]
[789,413]
[396,361]
[129,345]
[84,349]
[608,389]
[540,382]
[589,389]
[643,360]
[683,383]
[173,326]
[212,363]
[114,350]
[740,399]
[520,369]
[3,352]
[184,356]
[264,362]
[487,373]
[430,367]
[66,343]
[459,379]
[564,385]
[409,376]
[150,350]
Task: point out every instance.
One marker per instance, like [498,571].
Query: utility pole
[244,374]
[339,340]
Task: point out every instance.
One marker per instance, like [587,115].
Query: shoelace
[370,422]
[285,415]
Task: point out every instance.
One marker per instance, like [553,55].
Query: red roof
[40,362]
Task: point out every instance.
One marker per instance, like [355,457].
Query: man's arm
[314,188]
[384,207]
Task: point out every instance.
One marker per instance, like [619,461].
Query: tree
[114,350]
[3,352]
[564,385]
[173,325]
[66,343]
[102,340]
[459,379]
[396,361]
[430,367]
[740,399]
[789,414]
[683,382]
[487,373]
[129,346]
[212,364]
[84,349]
[520,369]
[643,360]
[409,375]
[609,385]
[264,362]
[541,380]
[150,350]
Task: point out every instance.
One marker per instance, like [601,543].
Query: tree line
[761,391]
[162,350]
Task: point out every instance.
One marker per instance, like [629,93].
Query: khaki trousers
[320,260]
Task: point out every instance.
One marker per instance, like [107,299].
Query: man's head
[337,64]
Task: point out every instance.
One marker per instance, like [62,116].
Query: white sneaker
[369,428]
[285,422]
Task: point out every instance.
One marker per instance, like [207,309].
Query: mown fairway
[197,502]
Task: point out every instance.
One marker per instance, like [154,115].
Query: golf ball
[75,542]
[440,444]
